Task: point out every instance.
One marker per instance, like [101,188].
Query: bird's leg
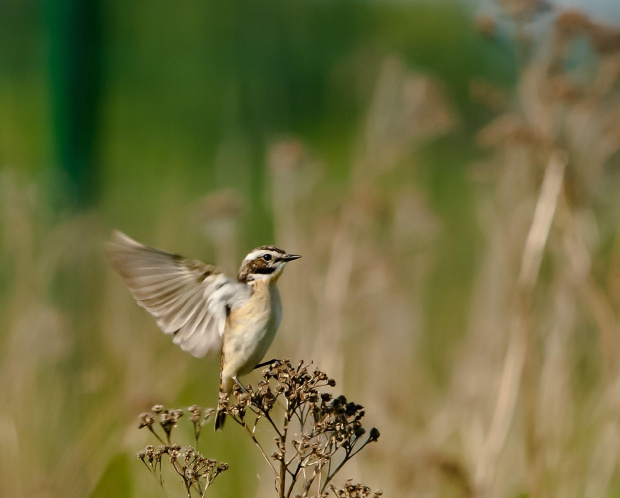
[265,363]
[241,386]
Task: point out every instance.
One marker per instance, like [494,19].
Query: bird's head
[264,263]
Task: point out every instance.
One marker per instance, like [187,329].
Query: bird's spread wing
[190,299]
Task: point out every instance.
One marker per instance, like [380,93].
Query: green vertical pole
[74,30]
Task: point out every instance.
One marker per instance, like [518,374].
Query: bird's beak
[290,257]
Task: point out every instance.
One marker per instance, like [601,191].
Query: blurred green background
[401,148]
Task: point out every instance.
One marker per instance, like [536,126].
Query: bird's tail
[222,404]
[220,418]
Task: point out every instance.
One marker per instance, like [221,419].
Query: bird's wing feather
[189,299]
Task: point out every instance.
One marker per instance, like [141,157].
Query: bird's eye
[267,257]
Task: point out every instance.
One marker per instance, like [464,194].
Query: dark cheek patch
[254,267]
[260,266]
[264,271]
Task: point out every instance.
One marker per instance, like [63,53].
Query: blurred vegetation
[449,175]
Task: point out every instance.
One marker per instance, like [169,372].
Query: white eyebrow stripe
[258,254]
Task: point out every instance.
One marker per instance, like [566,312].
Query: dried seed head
[196,412]
[359,431]
[374,434]
[146,420]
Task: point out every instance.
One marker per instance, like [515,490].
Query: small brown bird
[204,309]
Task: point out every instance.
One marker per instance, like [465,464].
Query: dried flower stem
[326,429]
[196,472]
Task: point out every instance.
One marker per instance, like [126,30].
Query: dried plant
[195,471]
[316,434]
[351,490]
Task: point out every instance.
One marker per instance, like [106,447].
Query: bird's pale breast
[250,330]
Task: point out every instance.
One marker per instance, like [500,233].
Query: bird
[204,309]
